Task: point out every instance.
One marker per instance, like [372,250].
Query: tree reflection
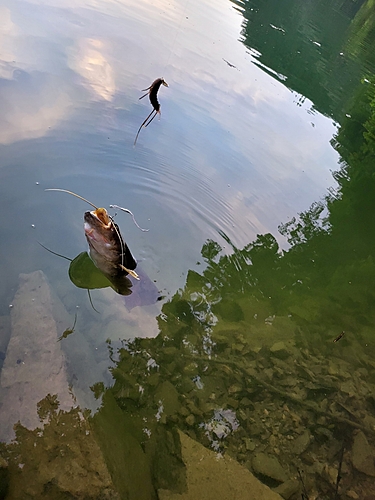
[244,360]
[320,63]
[329,266]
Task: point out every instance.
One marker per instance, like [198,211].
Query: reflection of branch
[339,471]
[312,407]
[304,496]
[306,404]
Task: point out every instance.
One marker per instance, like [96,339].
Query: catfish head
[108,250]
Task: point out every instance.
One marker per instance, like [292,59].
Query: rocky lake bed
[299,419]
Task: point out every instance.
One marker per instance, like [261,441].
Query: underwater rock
[4,478]
[164,452]
[279,350]
[234,389]
[126,461]
[61,461]
[288,489]
[268,466]
[229,310]
[35,364]
[249,444]
[352,494]
[190,420]
[329,474]
[301,443]
[167,395]
[363,455]
[210,477]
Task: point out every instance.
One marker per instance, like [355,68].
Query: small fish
[152,92]
[339,337]
[68,331]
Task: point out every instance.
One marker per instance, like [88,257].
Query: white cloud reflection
[223,125]
[8,30]
[88,60]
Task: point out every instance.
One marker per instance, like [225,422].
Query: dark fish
[111,255]
[108,250]
[339,337]
[152,92]
[111,263]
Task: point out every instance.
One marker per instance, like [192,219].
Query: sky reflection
[235,150]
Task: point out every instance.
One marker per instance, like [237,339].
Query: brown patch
[102,215]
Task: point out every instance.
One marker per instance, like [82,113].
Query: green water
[263,341]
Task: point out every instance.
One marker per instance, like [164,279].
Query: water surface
[244,143]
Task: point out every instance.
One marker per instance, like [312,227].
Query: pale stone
[280,350]
[268,466]
[352,494]
[35,364]
[301,443]
[250,445]
[288,489]
[190,420]
[61,461]
[167,394]
[363,455]
[210,477]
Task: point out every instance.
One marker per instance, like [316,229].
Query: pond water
[257,255]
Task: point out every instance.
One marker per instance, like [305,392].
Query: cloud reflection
[88,60]
[31,105]
[7,31]
[221,125]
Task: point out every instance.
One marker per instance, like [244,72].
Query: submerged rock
[279,350]
[167,395]
[61,461]
[363,455]
[301,443]
[4,478]
[288,489]
[268,466]
[210,477]
[34,365]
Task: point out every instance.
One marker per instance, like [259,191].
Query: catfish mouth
[102,215]
[96,220]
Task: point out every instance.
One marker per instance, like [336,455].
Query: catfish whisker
[73,194]
[129,212]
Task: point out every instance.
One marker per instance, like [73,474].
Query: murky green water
[252,328]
